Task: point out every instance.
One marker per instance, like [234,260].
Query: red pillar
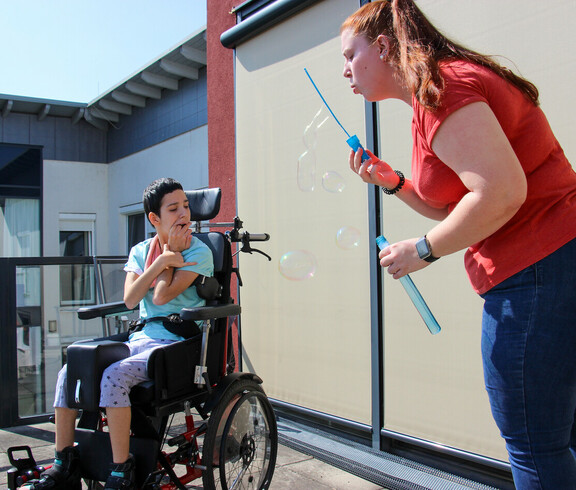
[221,132]
[221,120]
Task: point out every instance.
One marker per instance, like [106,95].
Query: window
[74,243]
[77,285]
[136,229]
[19,227]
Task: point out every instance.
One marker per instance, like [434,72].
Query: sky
[75,50]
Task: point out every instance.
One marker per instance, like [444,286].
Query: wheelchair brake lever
[247,248]
[260,252]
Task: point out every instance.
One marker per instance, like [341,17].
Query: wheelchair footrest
[86,363]
[96,455]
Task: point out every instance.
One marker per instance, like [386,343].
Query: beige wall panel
[433,384]
[308,339]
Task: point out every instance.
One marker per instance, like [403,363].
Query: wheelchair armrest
[103,310]
[210,312]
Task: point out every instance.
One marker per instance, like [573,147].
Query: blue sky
[74,50]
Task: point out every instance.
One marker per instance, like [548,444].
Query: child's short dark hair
[153,194]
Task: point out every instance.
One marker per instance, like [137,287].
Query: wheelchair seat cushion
[86,363]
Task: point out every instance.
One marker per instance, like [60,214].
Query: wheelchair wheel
[241,441]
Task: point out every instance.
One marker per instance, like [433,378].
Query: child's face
[174,211]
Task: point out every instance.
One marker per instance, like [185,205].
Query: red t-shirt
[546,221]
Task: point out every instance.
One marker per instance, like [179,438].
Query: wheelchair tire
[241,441]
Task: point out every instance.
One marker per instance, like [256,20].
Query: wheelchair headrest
[204,203]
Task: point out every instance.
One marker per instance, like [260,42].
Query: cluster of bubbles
[299,265]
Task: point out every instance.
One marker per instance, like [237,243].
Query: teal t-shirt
[197,252]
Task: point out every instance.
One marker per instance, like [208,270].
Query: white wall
[74,187]
[108,190]
[184,158]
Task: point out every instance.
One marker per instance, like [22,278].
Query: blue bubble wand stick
[415,295]
[353,141]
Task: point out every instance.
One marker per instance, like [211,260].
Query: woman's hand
[374,170]
[402,258]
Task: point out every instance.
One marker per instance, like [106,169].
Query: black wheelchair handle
[258,237]
[244,236]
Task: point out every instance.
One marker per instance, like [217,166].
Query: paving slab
[294,470]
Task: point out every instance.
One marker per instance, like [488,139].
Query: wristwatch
[425,250]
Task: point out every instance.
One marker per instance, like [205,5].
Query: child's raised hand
[180,237]
[174,259]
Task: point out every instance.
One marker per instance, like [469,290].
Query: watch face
[422,248]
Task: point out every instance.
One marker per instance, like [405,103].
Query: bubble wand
[353,141]
[415,295]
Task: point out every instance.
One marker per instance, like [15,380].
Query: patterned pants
[118,378]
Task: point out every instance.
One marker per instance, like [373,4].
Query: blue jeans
[529,356]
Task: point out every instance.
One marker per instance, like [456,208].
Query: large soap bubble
[297,265]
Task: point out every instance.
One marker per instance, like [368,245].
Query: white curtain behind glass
[20,219]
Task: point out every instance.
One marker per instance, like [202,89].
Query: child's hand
[374,170]
[174,259]
[180,237]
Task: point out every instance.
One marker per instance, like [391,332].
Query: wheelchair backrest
[205,205]
[222,255]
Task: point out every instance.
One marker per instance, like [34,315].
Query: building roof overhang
[150,82]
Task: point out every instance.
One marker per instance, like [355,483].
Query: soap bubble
[348,237]
[297,265]
[306,172]
[309,136]
[307,161]
[333,182]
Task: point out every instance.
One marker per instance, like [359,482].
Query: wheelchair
[233,443]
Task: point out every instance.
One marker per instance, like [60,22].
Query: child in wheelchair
[160,273]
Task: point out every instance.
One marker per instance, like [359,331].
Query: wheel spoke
[240,452]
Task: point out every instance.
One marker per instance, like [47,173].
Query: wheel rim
[246,447]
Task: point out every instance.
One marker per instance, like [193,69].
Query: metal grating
[390,471]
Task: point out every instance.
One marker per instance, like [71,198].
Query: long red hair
[417,47]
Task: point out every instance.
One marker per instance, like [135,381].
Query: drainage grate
[390,471]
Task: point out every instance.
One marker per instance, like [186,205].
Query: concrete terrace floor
[294,470]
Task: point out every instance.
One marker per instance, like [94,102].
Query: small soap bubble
[306,171]
[348,237]
[297,265]
[333,182]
